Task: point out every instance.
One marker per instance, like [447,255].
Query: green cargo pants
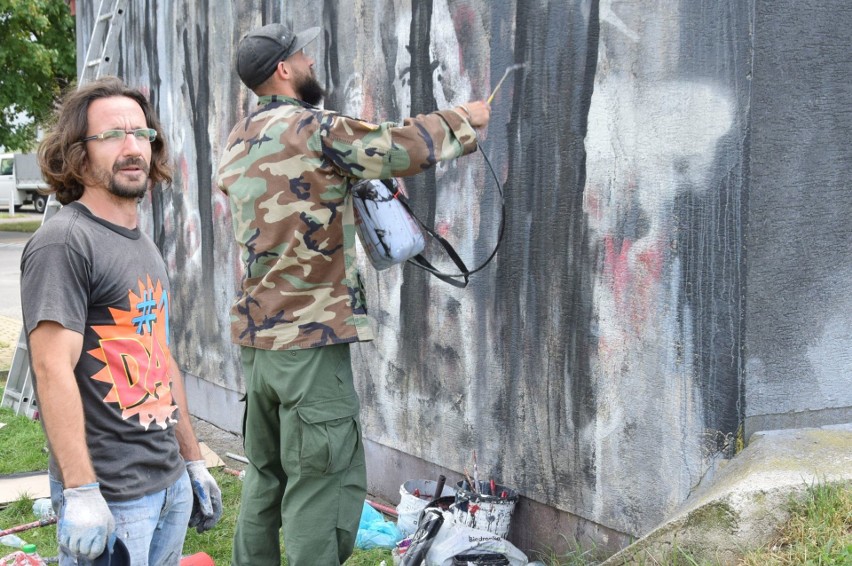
[306,475]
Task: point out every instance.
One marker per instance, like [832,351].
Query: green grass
[22,444]
[20,226]
[21,450]
[20,512]
[575,555]
[818,533]
[819,530]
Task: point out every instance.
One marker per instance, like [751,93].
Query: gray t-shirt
[109,284]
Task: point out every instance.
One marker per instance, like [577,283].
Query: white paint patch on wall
[831,351]
[649,138]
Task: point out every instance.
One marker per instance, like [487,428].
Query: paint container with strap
[484,509]
[388,232]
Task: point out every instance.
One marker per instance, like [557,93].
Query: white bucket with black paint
[483,509]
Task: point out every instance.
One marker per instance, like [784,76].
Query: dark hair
[62,155]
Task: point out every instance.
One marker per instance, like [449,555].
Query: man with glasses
[124,460]
[288,169]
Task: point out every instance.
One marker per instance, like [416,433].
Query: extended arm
[380,151]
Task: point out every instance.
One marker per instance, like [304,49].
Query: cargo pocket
[330,435]
[244,401]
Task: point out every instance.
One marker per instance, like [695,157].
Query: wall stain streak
[710,229]
[415,289]
[331,57]
[198,84]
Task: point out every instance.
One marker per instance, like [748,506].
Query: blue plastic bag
[374,531]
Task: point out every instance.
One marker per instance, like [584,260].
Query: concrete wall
[599,364]
[799,345]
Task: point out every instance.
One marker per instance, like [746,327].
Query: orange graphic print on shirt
[136,352]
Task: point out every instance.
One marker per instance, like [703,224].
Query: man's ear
[284,71]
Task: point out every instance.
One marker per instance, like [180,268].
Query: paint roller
[509,70]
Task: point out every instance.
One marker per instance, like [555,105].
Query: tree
[38,62]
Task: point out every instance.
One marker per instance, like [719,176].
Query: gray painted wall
[622,337]
[799,315]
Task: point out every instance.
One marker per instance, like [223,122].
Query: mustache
[131,162]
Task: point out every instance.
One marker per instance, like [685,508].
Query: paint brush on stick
[503,78]
[468,481]
[475,472]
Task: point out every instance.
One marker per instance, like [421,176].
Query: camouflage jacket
[288,169]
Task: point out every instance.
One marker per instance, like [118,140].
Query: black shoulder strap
[462,278]
[420,261]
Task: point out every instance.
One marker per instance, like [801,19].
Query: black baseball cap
[260,51]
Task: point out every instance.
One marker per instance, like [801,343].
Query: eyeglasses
[142,134]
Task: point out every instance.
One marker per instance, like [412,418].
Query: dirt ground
[221,442]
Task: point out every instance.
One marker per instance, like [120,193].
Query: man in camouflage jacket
[288,169]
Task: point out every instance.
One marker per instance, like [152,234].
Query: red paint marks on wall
[616,267]
[183,165]
[634,271]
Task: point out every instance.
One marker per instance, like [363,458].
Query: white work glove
[207,500]
[86,521]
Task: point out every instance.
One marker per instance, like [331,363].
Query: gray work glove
[86,521]
[207,500]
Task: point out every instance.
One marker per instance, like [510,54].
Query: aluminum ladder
[101,59]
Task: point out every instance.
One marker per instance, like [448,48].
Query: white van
[20,181]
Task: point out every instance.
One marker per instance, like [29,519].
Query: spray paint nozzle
[503,78]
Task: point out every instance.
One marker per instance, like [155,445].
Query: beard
[127,189]
[309,90]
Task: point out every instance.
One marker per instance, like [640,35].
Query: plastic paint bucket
[478,510]
[410,505]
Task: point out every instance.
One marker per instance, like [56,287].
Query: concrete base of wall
[800,419]
[213,403]
[537,529]
[741,508]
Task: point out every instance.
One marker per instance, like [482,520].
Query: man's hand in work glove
[207,500]
[86,522]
